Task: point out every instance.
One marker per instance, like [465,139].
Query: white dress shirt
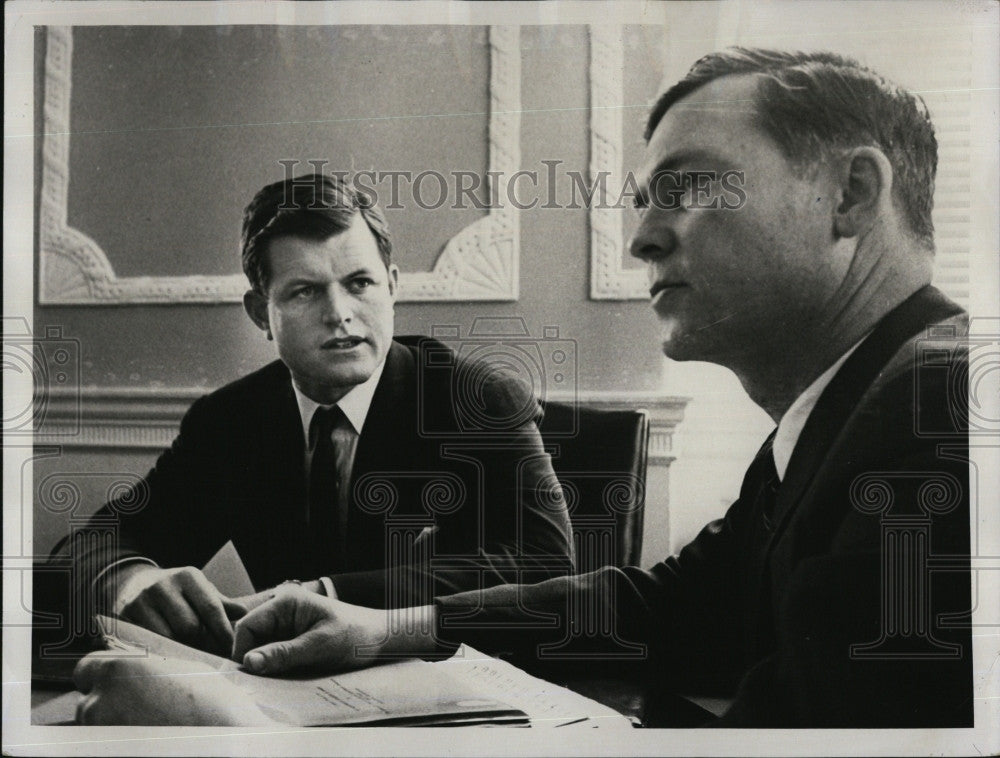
[355,404]
[793,422]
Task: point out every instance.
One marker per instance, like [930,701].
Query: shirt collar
[793,422]
[355,404]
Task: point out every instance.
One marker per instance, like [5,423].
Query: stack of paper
[468,688]
[547,704]
[406,693]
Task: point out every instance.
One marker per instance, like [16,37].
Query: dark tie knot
[323,423]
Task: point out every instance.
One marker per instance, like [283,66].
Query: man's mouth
[661,287]
[342,343]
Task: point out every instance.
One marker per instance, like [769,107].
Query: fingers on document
[208,603]
[143,612]
[89,677]
[86,672]
[287,656]
[186,607]
[266,623]
[86,710]
[257,626]
[237,608]
[274,658]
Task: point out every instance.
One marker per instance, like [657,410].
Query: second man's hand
[238,607]
[299,630]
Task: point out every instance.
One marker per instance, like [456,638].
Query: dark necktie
[760,486]
[325,517]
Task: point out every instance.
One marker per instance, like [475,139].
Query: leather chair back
[600,459]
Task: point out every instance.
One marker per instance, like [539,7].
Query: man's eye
[361,284]
[678,181]
[304,292]
[668,189]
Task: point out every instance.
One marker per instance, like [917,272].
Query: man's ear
[393,275]
[865,177]
[255,304]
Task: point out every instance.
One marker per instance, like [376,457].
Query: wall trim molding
[148,418]
[609,279]
[479,263]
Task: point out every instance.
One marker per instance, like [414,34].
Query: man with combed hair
[317,466]
[811,602]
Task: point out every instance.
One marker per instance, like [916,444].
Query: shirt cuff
[328,589]
[95,585]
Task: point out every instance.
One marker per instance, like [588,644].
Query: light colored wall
[173,129]
[171,234]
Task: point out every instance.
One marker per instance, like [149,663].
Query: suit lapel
[386,423]
[289,448]
[281,479]
[388,442]
[834,407]
[844,392]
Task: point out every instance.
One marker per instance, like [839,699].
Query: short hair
[813,104]
[314,206]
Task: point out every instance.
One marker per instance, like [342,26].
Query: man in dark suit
[812,602]
[369,509]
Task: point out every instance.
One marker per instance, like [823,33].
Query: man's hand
[238,607]
[179,603]
[302,630]
[157,691]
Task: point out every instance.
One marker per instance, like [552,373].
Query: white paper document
[407,693]
[226,571]
[546,704]
[470,688]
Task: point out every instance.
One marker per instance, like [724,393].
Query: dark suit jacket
[236,472]
[868,543]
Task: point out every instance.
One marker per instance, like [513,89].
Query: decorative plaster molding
[609,279]
[481,262]
[114,417]
[73,270]
[148,419]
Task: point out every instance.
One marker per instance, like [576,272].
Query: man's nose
[337,307]
[652,241]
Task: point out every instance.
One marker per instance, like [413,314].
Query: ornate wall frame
[609,279]
[481,262]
